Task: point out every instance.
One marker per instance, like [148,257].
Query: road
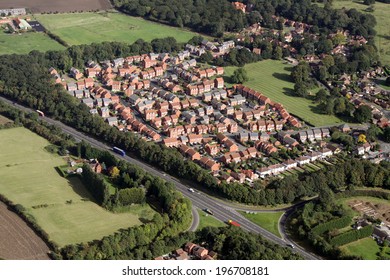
[221,211]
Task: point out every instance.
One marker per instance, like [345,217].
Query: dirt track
[41,6]
[17,240]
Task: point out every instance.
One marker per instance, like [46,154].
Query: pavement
[222,211]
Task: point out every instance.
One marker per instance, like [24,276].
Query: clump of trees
[212,17]
[240,76]
[232,243]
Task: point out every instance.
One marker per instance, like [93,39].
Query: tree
[239,76]
[372,132]
[301,72]
[114,172]
[388,81]
[363,114]
[368,2]
[386,134]
[301,89]
[321,96]
[362,139]
[278,53]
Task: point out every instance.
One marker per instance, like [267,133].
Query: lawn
[365,248]
[28,177]
[207,220]
[381,13]
[87,28]
[272,78]
[26,42]
[268,221]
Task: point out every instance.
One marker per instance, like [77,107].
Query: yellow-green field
[28,177]
[381,13]
[268,221]
[87,28]
[272,78]
[26,42]
[206,220]
[367,248]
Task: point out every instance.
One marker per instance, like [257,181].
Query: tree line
[212,17]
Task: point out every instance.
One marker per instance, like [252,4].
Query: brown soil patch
[17,240]
[375,210]
[4,120]
[42,6]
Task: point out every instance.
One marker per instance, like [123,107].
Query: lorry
[119,151]
[40,113]
[233,223]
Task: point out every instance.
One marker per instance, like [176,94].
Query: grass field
[207,220]
[381,13]
[268,221]
[365,248]
[26,42]
[86,28]
[28,177]
[272,78]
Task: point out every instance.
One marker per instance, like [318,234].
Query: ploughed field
[44,6]
[17,240]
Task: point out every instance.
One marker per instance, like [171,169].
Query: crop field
[41,6]
[26,42]
[86,28]
[17,240]
[272,78]
[381,13]
[62,207]
[268,221]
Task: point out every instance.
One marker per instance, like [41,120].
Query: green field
[87,28]
[206,220]
[26,42]
[381,13]
[272,78]
[268,221]
[28,177]
[367,248]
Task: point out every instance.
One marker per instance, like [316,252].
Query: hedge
[351,236]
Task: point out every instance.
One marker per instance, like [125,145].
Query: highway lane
[223,212]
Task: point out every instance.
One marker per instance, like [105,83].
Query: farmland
[381,13]
[17,240]
[26,42]
[272,78]
[269,221]
[63,208]
[42,6]
[86,28]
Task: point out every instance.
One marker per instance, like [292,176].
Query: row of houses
[290,164]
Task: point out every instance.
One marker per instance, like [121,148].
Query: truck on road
[42,114]
[119,151]
[233,223]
